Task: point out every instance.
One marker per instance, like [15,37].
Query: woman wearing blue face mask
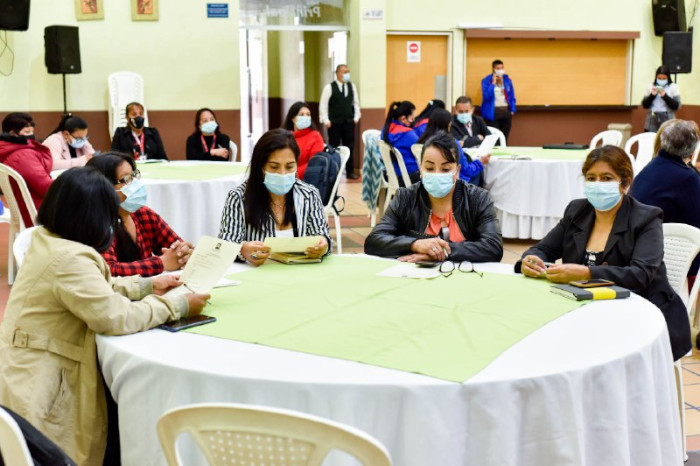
[662,99]
[69,143]
[143,243]
[308,139]
[441,217]
[207,142]
[612,236]
[273,202]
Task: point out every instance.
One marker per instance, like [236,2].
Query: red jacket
[33,162]
[310,143]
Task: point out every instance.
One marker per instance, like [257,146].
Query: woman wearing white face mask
[308,139]
[662,99]
[143,243]
[273,202]
[612,236]
[69,143]
[207,142]
[441,217]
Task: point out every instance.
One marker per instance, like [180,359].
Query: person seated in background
[469,129]
[421,121]
[21,152]
[63,295]
[273,202]
[669,182]
[662,99]
[136,139]
[398,133]
[143,243]
[308,138]
[69,143]
[441,120]
[611,236]
[207,142]
[460,218]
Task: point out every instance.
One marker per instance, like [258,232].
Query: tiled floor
[355,226]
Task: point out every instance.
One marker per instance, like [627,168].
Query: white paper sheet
[486,146]
[208,263]
[408,270]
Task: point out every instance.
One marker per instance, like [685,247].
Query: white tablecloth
[192,208]
[530,195]
[594,387]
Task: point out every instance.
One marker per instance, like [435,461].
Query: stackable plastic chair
[416,150]
[16,222]
[124,87]
[645,150]
[234,150]
[234,434]
[12,444]
[681,245]
[610,137]
[499,133]
[384,184]
[386,150]
[21,245]
[329,208]
[695,155]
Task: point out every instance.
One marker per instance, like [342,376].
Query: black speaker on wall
[669,15]
[678,51]
[62,49]
[14,15]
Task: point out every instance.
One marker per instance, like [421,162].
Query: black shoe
[353,176]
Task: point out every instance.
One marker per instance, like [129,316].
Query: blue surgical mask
[279,184]
[77,143]
[603,195]
[303,122]
[662,82]
[346,77]
[136,196]
[438,185]
[464,118]
[209,127]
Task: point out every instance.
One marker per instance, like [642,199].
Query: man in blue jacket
[498,106]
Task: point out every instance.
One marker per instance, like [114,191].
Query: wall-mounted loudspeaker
[62,49]
[678,51]
[14,15]
[669,15]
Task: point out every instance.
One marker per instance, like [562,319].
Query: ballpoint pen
[186,286]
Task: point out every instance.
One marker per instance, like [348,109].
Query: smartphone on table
[186,322]
[593,283]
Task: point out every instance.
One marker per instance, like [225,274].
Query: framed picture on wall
[144,10]
[89,9]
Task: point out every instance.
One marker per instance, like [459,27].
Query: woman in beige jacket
[69,143]
[62,297]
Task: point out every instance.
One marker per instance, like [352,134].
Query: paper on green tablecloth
[209,171]
[539,153]
[449,328]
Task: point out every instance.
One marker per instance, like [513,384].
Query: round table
[531,193]
[595,386]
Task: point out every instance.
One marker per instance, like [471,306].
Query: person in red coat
[308,138]
[33,161]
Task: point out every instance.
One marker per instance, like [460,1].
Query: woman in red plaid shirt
[143,243]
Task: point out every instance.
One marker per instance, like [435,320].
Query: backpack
[322,171]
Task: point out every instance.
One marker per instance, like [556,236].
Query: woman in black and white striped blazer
[273,202]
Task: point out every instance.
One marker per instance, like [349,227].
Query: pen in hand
[191,290]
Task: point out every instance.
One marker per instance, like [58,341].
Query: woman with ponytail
[69,143]
[397,132]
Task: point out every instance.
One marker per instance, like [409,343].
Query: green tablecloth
[539,153]
[194,172]
[449,328]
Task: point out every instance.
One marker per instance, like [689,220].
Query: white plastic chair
[681,245]
[234,150]
[499,133]
[385,149]
[416,150]
[21,245]
[383,188]
[694,160]
[645,150]
[233,434]
[16,222]
[124,87]
[610,137]
[328,208]
[12,443]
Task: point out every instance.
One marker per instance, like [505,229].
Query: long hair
[438,121]
[256,199]
[432,106]
[197,129]
[70,123]
[396,110]
[293,112]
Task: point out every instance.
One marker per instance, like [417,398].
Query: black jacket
[459,131]
[196,151]
[124,141]
[409,213]
[633,258]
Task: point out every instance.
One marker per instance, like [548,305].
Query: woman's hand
[219,152]
[318,251]
[653,90]
[164,283]
[436,248]
[413,258]
[533,266]
[485,159]
[170,259]
[255,252]
[565,273]
[662,92]
[196,302]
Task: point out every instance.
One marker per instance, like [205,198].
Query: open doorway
[254,116]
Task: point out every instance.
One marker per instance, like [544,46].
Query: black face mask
[31,136]
[137,122]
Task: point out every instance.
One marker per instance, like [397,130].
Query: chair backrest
[499,133]
[12,443]
[645,149]
[7,174]
[124,87]
[231,434]
[344,157]
[21,244]
[681,245]
[234,150]
[417,149]
[694,160]
[386,150]
[610,137]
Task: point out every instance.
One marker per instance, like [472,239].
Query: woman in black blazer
[612,236]
[136,139]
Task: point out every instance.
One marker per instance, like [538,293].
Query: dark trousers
[502,120]
[343,134]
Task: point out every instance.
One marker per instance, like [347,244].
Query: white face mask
[500,72]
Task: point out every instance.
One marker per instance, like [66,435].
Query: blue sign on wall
[217,10]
